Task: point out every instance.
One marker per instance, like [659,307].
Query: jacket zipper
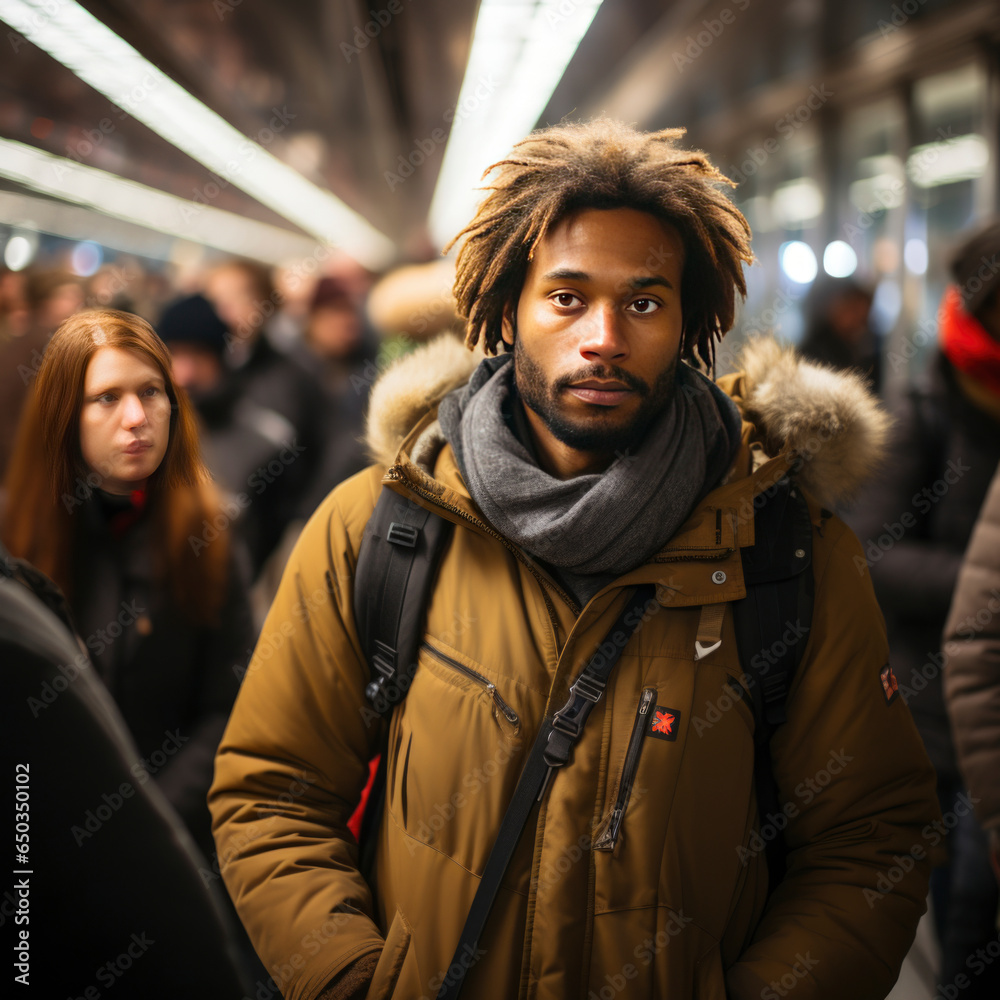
[491,689]
[398,476]
[607,835]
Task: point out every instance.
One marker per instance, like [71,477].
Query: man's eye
[566,299]
[644,306]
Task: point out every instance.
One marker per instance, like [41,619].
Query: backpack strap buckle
[403,534]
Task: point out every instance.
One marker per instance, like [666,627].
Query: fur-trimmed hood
[829,419]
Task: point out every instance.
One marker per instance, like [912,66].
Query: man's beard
[595,431]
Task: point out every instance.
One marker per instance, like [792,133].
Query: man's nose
[604,338]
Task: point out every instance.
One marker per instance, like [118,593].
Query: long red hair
[48,479]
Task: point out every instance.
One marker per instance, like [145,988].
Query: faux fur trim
[829,418]
[412,386]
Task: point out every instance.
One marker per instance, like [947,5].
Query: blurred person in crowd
[345,350]
[972,672]
[242,294]
[52,296]
[14,315]
[585,458]
[837,330]
[107,495]
[110,875]
[416,300]
[916,523]
[240,438]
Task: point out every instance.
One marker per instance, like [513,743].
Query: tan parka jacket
[677,905]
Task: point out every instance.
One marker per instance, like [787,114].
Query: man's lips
[602,393]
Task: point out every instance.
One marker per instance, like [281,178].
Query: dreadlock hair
[603,164]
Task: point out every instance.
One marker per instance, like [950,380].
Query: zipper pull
[607,837]
[647,699]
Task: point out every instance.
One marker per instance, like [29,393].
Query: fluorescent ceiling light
[144,206]
[520,50]
[962,158]
[109,64]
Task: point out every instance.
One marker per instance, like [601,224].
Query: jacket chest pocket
[458,757]
[606,835]
[454,671]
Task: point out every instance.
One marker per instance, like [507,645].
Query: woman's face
[124,420]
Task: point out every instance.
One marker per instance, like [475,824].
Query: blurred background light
[145,206]
[839,259]
[18,252]
[915,256]
[797,203]
[109,64]
[520,50]
[798,261]
[86,258]
[961,158]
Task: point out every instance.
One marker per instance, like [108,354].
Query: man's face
[598,335]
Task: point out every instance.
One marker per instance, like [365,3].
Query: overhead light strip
[520,50]
[145,206]
[110,65]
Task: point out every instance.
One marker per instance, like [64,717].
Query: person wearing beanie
[246,444]
[916,526]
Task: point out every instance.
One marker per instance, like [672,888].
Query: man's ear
[508,327]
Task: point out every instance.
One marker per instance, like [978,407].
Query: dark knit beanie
[192,320]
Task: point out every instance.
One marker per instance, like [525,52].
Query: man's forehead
[641,241]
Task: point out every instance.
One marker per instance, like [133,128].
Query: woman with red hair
[107,495]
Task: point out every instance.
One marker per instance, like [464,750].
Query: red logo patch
[890,686]
[664,723]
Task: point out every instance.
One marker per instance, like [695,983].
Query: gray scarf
[597,526]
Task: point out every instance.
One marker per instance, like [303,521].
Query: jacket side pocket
[390,963]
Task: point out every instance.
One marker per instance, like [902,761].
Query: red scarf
[966,344]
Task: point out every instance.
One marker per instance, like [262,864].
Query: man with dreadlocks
[587,458]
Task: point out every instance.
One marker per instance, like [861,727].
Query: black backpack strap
[400,552]
[552,748]
[772,626]
[399,555]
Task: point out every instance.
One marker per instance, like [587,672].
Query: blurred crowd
[276,367]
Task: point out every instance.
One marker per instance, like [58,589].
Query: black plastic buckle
[384,661]
[402,534]
[587,687]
